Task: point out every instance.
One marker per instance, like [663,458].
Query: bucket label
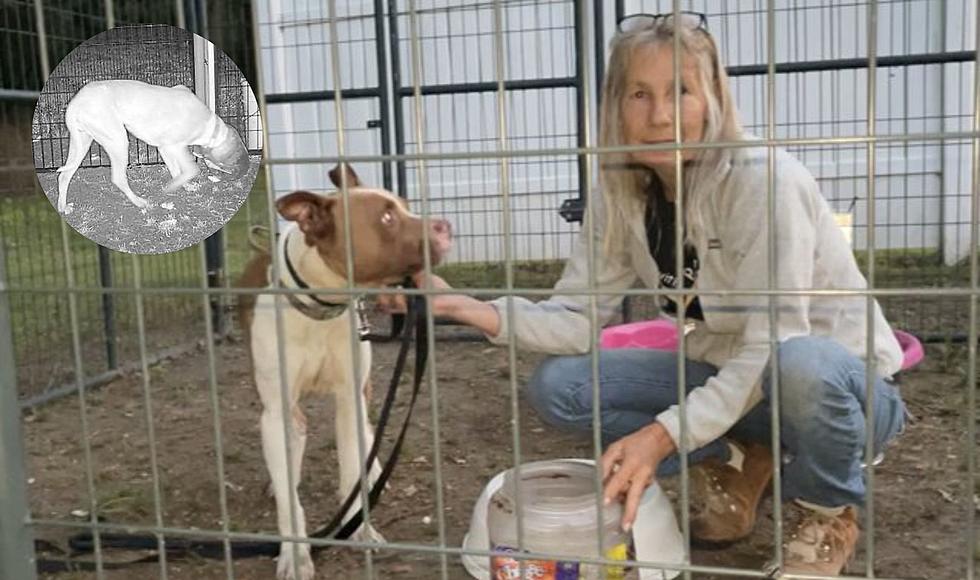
[503,567]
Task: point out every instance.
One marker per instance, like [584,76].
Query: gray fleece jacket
[811,254]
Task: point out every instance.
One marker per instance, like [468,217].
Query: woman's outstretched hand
[629,466]
[396,304]
[461,308]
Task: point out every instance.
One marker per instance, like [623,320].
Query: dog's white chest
[319,354]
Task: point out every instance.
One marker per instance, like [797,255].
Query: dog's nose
[442,227]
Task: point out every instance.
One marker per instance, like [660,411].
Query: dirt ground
[174,221]
[920,507]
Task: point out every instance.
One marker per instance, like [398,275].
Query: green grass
[254,212]
[31,231]
[124,500]
[913,268]
[527,274]
[893,268]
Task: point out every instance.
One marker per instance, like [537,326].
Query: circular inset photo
[147,139]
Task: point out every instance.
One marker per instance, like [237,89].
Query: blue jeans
[822,388]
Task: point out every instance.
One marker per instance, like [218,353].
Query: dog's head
[388,240]
[227,153]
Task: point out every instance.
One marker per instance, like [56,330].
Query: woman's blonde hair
[624,184]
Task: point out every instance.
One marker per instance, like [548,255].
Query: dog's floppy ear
[335,175]
[310,211]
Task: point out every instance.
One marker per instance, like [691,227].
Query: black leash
[394,333]
[402,326]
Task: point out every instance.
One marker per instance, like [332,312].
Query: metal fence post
[16,537]
[108,308]
[396,95]
[215,263]
[383,88]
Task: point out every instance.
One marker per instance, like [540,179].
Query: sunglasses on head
[638,22]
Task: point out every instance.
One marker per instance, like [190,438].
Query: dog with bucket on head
[172,119]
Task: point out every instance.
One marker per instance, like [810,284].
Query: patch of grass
[253,212]
[914,267]
[527,274]
[905,267]
[36,259]
[31,231]
[123,500]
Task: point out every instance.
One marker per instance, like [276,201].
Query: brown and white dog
[388,244]
[168,118]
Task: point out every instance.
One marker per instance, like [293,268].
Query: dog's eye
[387,218]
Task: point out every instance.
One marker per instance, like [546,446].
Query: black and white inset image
[146,139]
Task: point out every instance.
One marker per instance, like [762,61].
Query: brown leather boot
[819,543]
[725,500]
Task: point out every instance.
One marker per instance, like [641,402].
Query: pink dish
[912,352]
[661,334]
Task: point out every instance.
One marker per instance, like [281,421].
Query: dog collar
[321,309]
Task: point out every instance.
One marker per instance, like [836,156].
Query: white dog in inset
[168,118]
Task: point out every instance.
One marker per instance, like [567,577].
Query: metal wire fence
[493,104]
[236,104]
[39,252]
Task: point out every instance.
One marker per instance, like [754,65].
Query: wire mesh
[235,103]
[457,81]
[910,201]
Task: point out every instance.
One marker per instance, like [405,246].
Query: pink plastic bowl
[911,349]
[661,334]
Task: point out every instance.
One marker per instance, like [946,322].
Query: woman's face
[648,105]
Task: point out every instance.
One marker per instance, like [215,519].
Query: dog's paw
[67,209]
[368,534]
[285,568]
[140,203]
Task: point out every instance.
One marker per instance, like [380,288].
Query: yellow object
[617,552]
